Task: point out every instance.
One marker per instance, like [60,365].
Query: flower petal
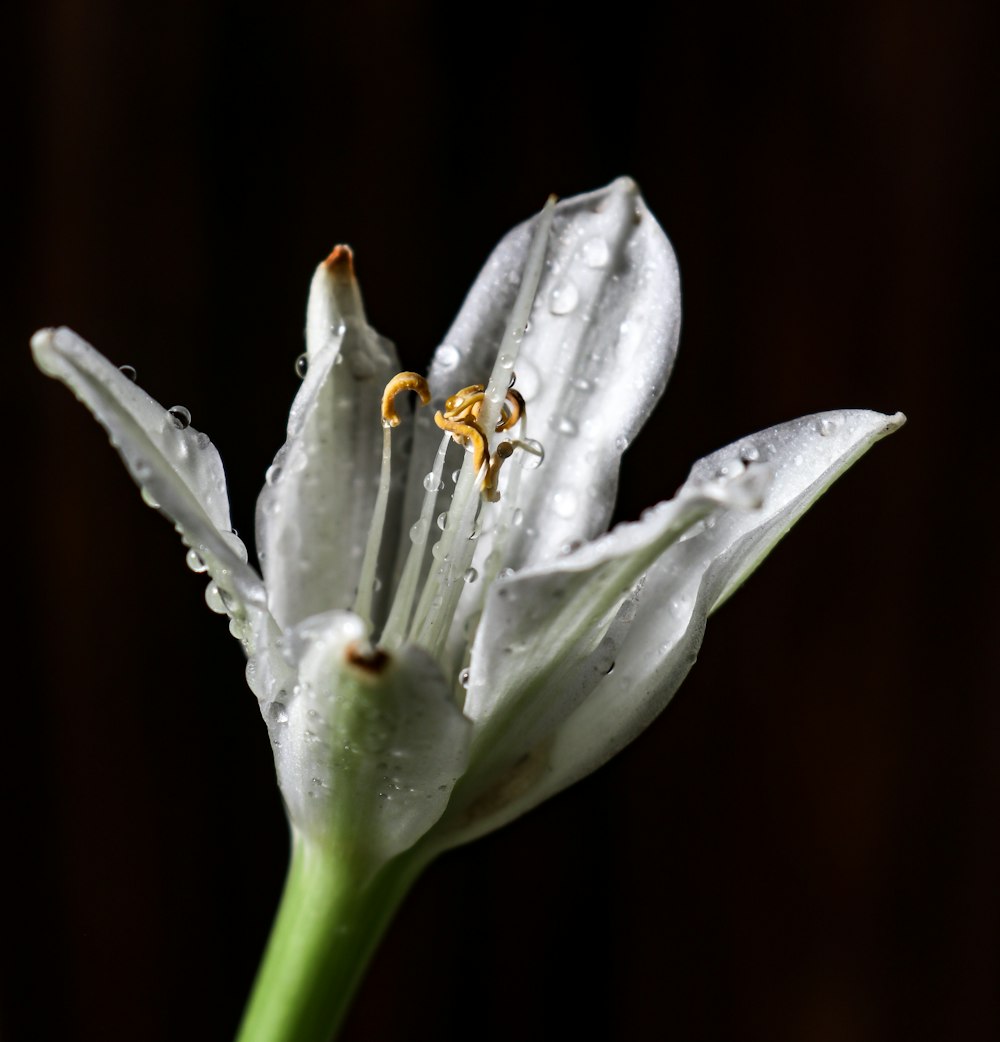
[602,339]
[316,508]
[177,467]
[539,624]
[653,646]
[367,748]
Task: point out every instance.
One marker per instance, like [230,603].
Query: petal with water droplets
[655,643]
[602,338]
[316,508]
[367,746]
[178,468]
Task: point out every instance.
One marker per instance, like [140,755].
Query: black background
[805,846]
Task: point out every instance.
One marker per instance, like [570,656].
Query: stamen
[503,451]
[406,588]
[399,383]
[513,410]
[366,579]
[459,405]
[464,431]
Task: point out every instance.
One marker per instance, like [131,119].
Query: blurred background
[805,846]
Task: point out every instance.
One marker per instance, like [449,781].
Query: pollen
[397,385]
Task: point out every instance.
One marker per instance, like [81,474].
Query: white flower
[424,684]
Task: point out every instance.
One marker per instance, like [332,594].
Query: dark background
[806,845]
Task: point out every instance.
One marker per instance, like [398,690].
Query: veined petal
[653,647]
[178,467]
[541,623]
[316,507]
[367,747]
[602,338]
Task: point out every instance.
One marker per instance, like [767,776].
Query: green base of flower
[326,930]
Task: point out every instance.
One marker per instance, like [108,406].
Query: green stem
[325,932]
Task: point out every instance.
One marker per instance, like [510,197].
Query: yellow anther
[460,404]
[399,383]
[464,431]
[503,451]
[513,410]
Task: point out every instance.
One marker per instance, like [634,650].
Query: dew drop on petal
[446,357]
[563,299]
[148,498]
[505,573]
[532,454]
[442,520]
[563,424]
[621,443]
[179,417]
[595,252]
[432,483]
[471,575]
[455,476]
[564,502]
[827,425]
[463,678]
[517,518]
[302,366]
[128,371]
[418,530]
[272,474]
[749,453]
[194,562]
[213,598]
[506,361]
[581,383]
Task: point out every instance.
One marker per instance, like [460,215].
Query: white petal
[653,650]
[366,755]
[601,342]
[179,469]
[316,508]
[542,622]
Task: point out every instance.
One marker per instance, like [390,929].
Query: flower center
[473,417]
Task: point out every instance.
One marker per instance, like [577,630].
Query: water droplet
[582,384]
[463,678]
[532,454]
[471,575]
[454,476]
[749,453]
[564,502]
[621,443]
[446,357]
[302,366]
[213,598]
[195,563]
[272,474]
[517,518]
[827,425]
[506,361]
[179,417]
[563,424]
[505,573]
[148,498]
[563,299]
[442,520]
[432,483]
[437,551]
[278,712]
[595,252]
[517,333]
[477,527]
[418,530]
[128,371]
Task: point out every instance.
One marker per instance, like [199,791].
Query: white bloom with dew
[441,636]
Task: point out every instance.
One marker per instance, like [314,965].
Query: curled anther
[513,410]
[503,451]
[459,405]
[399,383]
[464,431]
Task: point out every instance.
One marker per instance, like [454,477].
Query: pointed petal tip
[43,350]
[340,263]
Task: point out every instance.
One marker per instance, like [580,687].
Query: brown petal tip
[340,262]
